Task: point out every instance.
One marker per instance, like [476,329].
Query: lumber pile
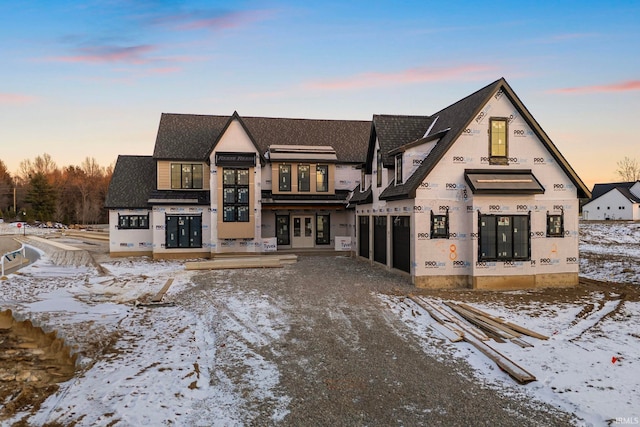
[231,262]
[464,322]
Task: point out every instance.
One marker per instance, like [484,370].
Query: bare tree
[628,170]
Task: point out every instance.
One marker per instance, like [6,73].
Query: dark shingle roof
[628,194]
[452,120]
[133,179]
[188,136]
[394,131]
[600,189]
[359,197]
[348,137]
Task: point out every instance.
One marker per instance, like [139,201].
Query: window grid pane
[322,178]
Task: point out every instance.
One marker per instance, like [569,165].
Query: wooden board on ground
[163,291]
[510,367]
[230,263]
[513,326]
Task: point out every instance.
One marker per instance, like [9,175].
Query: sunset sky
[91,78]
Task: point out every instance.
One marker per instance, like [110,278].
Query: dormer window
[498,144]
[379,168]
[399,169]
[363,177]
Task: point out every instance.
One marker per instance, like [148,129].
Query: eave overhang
[504,182]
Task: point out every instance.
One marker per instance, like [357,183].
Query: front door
[302,231]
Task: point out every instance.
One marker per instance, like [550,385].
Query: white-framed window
[398,168]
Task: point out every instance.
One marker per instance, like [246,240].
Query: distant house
[615,201]
[475,195]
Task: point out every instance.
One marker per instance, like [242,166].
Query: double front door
[303,231]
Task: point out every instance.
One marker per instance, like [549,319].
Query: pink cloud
[102,54]
[408,76]
[212,21]
[627,86]
[15,99]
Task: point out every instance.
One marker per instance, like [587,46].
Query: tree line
[42,191]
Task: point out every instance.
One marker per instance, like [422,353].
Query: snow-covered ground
[143,365]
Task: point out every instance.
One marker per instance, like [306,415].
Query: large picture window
[183,231]
[186,176]
[133,222]
[503,237]
[284,177]
[498,143]
[322,178]
[303,178]
[235,195]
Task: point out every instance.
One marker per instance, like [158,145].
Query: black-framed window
[504,237]
[235,195]
[498,141]
[187,176]
[133,222]
[322,229]
[284,177]
[282,229]
[304,181]
[363,178]
[322,178]
[379,168]
[439,226]
[555,225]
[183,231]
[399,169]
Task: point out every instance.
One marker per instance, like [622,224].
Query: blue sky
[91,78]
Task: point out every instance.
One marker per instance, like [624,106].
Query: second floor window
[498,148]
[379,168]
[399,169]
[303,178]
[186,176]
[322,178]
[284,177]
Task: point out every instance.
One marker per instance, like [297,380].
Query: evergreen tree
[41,197]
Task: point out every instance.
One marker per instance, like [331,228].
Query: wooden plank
[451,334]
[442,326]
[163,291]
[513,326]
[459,323]
[510,367]
[233,263]
[482,323]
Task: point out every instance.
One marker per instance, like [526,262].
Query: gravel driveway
[343,358]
